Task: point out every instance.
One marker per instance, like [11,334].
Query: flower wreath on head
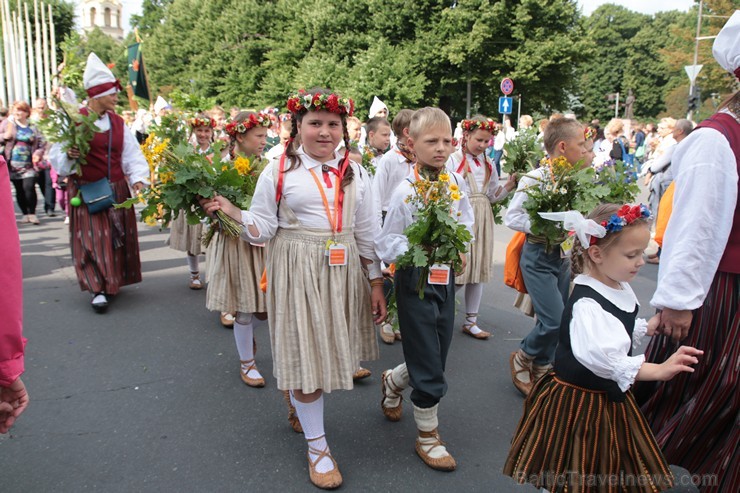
[625,216]
[589,133]
[202,121]
[254,120]
[304,101]
[472,125]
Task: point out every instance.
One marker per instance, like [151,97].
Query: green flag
[136,72]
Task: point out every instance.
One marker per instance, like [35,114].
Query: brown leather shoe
[227,320]
[361,373]
[445,463]
[386,333]
[324,480]
[295,423]
[392,413]
[524,387]
[244,369]
[483,335]
[195,282]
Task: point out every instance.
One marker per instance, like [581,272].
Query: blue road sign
[505,105]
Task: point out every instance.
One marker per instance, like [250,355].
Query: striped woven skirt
[575,440]
[695,416]
[186,237]
[480,254]
[320,317]
[233,272]
[105,246]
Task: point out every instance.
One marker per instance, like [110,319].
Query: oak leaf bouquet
[621,180]
[186,176]
[65,125]
[563,187]
[435,236]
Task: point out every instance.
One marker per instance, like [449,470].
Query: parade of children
[322,225]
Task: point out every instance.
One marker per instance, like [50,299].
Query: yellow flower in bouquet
[154,150]
[242,165]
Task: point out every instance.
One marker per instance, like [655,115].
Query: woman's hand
[73,153]
[377,301]
[511,182]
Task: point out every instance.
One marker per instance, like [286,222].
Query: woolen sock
[193,264]
[473,295]
[244,338]
[311,416]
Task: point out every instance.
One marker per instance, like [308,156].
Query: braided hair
[240,117]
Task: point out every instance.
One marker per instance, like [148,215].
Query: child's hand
[679,361]
[211,206]
[377,299]
[653,325]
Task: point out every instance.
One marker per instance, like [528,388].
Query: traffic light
[695,99]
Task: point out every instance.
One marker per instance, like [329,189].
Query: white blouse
[516,217]
[392,243]
[598,338]
[133,161]
[302,196]
[704,202]
[390,170]
[496,191]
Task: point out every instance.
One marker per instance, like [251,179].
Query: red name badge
[439,274]
[337,255]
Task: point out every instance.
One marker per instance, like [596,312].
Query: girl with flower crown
[316,208]
[581,425]
[484,188]
[186,237]
[234,266]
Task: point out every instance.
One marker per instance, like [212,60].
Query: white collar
[311,163]
[623,298]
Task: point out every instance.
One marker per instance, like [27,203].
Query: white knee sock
[193,264]
[473,295]
[244,337]
[311,416]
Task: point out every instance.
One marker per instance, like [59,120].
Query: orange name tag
[439,274]
[337,255]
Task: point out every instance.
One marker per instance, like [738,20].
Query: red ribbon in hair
[737,73]
[101,88]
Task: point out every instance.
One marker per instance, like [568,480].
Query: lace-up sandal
[325,480]
[295,423]
[245,368]
[390,391]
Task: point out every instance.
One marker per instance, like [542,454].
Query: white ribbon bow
[574,221]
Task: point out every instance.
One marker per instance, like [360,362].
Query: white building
[106,15]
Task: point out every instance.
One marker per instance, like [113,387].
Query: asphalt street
[148,397]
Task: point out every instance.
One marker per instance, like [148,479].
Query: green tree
[152,14]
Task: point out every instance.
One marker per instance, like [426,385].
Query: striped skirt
[233,272]
[186,237]
[320,317]
[576,440]
[480,255]
[105,246]
[696,416]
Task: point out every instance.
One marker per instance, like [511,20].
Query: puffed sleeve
[133,161]
[263,214]
[641,326]
[59,160]
[601,344]
[392,243]
[496,190]
[516,217]
[367,227]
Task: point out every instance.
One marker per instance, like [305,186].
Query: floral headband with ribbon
[589,231]
[304,101]
[589,133]
[472,125]
[255,120]
[202,121]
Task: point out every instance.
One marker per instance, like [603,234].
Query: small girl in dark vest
[581,429]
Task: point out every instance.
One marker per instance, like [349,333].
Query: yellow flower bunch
[154,149]
[242,165]
[166,177]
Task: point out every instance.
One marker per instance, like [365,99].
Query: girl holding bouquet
[317,209]
[186,237]
[234,266]
[484,189]
[581,423]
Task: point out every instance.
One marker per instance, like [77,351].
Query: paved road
[148,396]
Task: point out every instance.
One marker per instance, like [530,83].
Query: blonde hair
[354,120]
[668,122]
[559,130]
[402,120]
[579,256]
[526,120]
[615,127]
[426,118]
